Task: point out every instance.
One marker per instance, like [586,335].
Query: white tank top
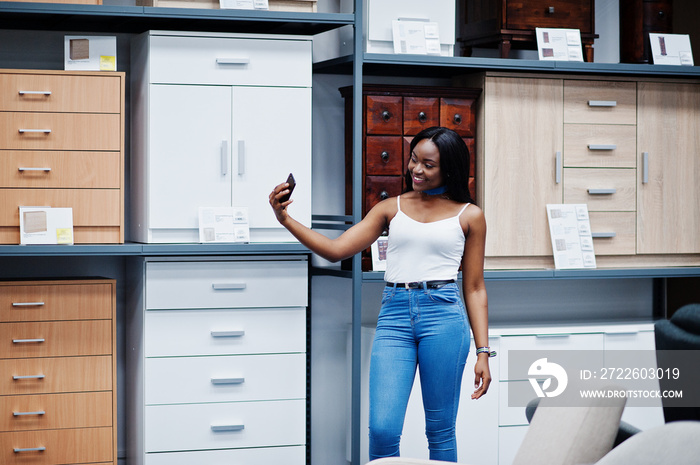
[423,251]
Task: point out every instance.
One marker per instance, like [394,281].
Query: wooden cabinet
[62,145]
[58,360]
[637,19]
[217,362]
[511,23]
[218,121]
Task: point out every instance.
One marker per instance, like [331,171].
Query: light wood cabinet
[62,145]
[58,366]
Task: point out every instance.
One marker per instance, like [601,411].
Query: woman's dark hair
[454,161]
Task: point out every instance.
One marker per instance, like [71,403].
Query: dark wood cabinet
[637,19]
[512,23]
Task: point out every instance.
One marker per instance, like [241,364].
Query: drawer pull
[386,116]
[457,118]
[227,428]
[602,146]
[603,235]
[602,191]
[34,92]
[29,449]
[621,333]
[22,414]
[602,103]
[21,168]
[422,117]
[383,195]
[26,341]
[18,377]
[550,336]
[645,167]
[224,158]
[237,333]
[228,286]
[550,10]
[232,61]
[241,157]
[384,156]
[27,304]
[45,131]
[557,168]
[218,381]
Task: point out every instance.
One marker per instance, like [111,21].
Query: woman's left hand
[482,378]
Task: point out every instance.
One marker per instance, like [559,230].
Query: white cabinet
[218,121]
[216,362]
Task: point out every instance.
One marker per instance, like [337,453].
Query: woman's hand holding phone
[280,197]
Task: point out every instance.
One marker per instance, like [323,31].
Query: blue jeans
[427,328]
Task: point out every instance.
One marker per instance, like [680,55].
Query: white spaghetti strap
[462,210]
[398,202]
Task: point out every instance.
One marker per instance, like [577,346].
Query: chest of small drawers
[58,372]
[62,145]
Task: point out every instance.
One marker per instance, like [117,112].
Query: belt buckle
[414,285]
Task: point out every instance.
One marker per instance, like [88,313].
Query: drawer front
[215,60]
[420,113]
[91,207]
[568,14]
[616,232]
[61,93]
[60,131]
[55,411]
[225,426]
[600,102]
[55,302]
[223,284]
[86,170]
[384,155]
[384,115]
[602,189]
[180,380]
[292,455]
[85,445]
[225,332]
[55,339]
[600,146]
[458,115]
[54,375]
[378,188]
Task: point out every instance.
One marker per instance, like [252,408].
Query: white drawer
[230,61]
[226,284]
[225,379]
[225,425]
[295,455]
[225,332]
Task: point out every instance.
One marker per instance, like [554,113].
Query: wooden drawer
[225,60]
[61,301]
[226,284]
[60,131]
[54,375]
[600,102]
[602,189]
[225,332]
[55,339]
[614,233]
[65,92]
[87,170]
[178,380]
[384,155]
[568,14]
[384,114]
[55,411]
[420,113]
[600,146]
[85,445]
[458,115]
[378,188]
[256,456]
[224,426]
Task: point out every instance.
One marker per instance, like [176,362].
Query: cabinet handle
[224,158]
[235,333]
[25,341]
[550,336]
[227,380]
[603,235]
[18,377]
[602,146]
[241,157]
[602,103]
[18,450]
[550,10]
[557,168]
[386,116]
[228,286]
[385,156]
[621,333]
[22,414]
[232,61]
[27,304]
[422,117]
[45,131]
[22,168]
[602,191]
[227,428]
[645,167]
[383,195]
[34,92]
[457,118]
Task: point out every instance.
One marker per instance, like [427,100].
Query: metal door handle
[226,428]
[228,286]
[18,377]
[241,157]
[236,333]
[227,380]
[645,167]
[602,191]
[21,414]
[603,235]
[25,341]
[232,61]
[34,92]
[224,158]
[29,449]
[602,103]
[557,168]
[27,304]
[45,131]
[602,146]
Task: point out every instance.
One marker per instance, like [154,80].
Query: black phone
[292,185]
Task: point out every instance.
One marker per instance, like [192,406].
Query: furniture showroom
[155,312]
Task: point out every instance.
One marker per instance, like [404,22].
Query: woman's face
[424,166]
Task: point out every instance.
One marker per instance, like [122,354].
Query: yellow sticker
[108,63]
[64,236]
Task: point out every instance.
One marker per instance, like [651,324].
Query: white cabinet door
[189,151]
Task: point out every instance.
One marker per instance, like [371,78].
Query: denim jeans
[428,329]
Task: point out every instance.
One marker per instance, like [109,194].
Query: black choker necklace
[436,191]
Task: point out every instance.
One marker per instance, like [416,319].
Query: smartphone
[292,185]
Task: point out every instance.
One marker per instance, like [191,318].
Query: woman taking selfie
[434,228]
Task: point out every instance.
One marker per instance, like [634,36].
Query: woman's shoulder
[472,217]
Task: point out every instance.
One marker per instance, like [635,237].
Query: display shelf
[136,19]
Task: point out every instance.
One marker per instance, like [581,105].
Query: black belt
[421,284]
